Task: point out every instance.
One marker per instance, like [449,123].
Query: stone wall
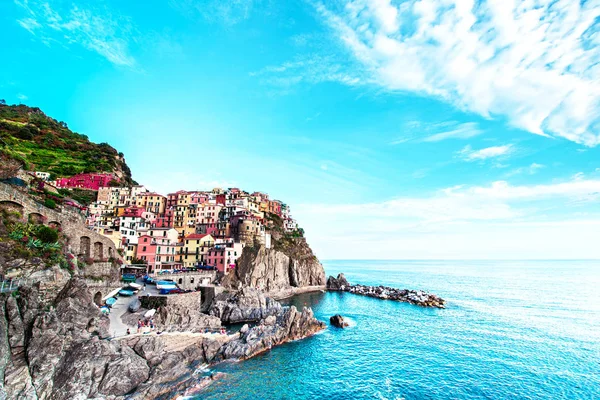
[81,241]
[150,302]
[192,280]
[208,294]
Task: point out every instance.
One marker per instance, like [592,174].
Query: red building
[86,181]
[165,220]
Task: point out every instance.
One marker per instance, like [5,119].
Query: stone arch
[35,218]
[111,252]
[54,224]
[98,298]
[180,281]
[84,246]
[98,251]
[12,206]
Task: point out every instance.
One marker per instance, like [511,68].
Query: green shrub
[47,234]
[50,203]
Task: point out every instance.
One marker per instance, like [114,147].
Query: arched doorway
[35,218]
[98,251]
[98,298]
[84,246]
[14,209]
[54,224]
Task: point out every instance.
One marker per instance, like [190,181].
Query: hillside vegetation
[42,143]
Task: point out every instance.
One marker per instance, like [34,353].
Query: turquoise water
[512,330]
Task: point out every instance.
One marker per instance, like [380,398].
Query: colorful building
[194,248]
[86,181]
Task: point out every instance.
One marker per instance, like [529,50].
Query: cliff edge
[288,268]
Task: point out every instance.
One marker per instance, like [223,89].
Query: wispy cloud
[468,154]
[536,64]
[97,29]
[307,69]
[462,131]
[529,170]
[437,131]
[21,97]
[228,12]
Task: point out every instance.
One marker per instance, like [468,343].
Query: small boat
[150,313]
[111,301]
[165,285]
[135,286]
[105,310]
[149,280]
[125,292]
[135,305]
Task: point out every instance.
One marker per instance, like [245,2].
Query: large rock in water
[246,305]
[338,321]
[274,271]
[339,283]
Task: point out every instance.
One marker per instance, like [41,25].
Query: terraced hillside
[42,143]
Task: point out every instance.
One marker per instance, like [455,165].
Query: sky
[431,129]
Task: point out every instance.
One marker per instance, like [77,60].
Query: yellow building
[194,249]
[152,202]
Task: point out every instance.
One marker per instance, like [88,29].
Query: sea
[511,330]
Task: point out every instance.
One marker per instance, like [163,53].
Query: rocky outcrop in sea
[278,273]
[417,297]
[288,325]
[338,321]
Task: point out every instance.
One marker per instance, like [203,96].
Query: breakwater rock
[417,297]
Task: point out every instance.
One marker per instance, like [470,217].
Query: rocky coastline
[417,297]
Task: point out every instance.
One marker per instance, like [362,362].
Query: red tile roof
[196,236]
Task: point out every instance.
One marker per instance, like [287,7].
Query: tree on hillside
[9,167]
[3,102]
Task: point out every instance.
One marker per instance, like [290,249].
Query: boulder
[339,283]
[338,321]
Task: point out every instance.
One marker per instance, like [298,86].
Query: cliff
[278,272]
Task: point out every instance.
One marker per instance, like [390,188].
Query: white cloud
[21,97]
[307,69]
[468,154]
[461,131]
[96,30]
[537,63]
[531,170]
[498,220]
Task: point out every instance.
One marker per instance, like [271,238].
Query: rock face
[274,271]
[417,297]
[182,313]
[338,321]
[272,331]
[58,351]
[247,305]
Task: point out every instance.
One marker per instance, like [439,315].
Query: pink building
[146,250]
[86,181]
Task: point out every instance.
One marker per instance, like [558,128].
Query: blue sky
[415,129]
